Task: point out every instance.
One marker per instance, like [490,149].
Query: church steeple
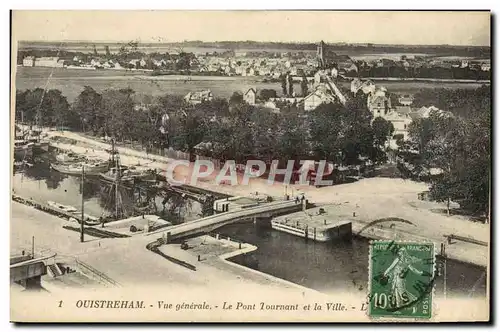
[321,54]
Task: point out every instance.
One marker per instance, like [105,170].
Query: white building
[319,96]
[199,97]
[250,96]
[29,61]
[49,62]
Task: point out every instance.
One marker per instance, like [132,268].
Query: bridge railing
[95,274]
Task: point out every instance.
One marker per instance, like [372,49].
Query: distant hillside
[443,50]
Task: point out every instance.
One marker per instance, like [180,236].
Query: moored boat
[74,212]
[22,149]
[69,157]
[127,174]
[90,168]
[40,146]
[62,207]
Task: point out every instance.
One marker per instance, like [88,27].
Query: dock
[317,224]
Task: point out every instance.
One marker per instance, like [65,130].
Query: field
[72,81]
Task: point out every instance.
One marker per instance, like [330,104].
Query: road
[127,260]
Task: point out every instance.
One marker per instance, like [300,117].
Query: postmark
[401,279]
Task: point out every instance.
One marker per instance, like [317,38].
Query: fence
[95,274]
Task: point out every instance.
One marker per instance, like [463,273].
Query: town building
[321,95]
[378,103]
[405,100]
[250,96]
[49,62]
[29,61]
[401,121]
[366,86]
[485,67]
[198,97]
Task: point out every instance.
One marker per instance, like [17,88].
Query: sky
[411,28]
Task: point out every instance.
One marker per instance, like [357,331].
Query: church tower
[321,53]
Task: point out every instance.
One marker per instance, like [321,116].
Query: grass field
[72,81]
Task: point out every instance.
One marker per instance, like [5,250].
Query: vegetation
[450,149]
[453,149]
[228,129]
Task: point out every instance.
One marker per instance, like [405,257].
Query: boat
[62,207]
[127,174]
[39,145]
[89,167]
[69,157]
[22,149]
[75,213]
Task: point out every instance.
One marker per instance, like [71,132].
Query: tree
[457,148]
[88,106]
[284,85]
[382,130]
[265,134]
[290,85]
[292,140]
[236,98]
[43,108]
[341,134]
[304,86]
[266,94]
[118,110]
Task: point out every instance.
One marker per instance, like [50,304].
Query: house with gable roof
[250,96]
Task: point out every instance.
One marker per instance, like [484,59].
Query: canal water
[326,267]
[42,184]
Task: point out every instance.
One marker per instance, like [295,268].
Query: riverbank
[370,199]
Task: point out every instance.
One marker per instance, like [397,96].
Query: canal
[326,267]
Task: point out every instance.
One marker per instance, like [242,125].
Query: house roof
[415,115]
[402,110]
[251,89]
[322,94]
[378,99]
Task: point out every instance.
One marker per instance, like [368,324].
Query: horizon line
[100,41]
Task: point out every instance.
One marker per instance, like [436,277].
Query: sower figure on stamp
[396,274]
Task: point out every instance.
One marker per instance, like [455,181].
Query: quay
[109,229]
[315,224]
[125,261]
[53,210]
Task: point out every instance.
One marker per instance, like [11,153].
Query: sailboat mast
[113,150]
[117,180]
[83,203]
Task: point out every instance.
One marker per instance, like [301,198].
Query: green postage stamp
[401,279]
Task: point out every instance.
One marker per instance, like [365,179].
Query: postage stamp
[401,279]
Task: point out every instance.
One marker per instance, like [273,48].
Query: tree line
[422,72]
[228,129]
